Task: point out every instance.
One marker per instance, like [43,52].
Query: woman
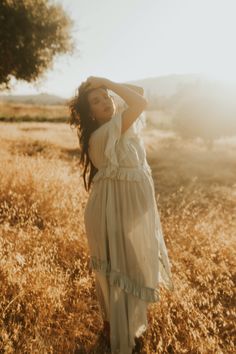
[127,248]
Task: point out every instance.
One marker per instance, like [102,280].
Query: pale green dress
[127,249]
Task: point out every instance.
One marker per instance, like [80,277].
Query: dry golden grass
[48,301]
[15,111]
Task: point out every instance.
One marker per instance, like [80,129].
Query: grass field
[20,112]
[48,301]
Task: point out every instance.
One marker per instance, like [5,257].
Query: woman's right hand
[94,82]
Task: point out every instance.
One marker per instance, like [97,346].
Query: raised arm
[135,88]
[136,102]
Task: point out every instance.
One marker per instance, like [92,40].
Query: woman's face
[101,105]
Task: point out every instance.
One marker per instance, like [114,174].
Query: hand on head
[93,82]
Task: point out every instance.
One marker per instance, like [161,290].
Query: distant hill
[155,86]
[167,85]
[40,99]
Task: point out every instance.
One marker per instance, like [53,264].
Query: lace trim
[124,282]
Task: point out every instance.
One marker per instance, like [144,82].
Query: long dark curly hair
[80,119]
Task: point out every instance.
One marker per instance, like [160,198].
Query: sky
[128,40]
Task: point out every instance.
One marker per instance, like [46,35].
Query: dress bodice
[119,155]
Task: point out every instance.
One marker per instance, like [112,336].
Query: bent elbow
[144,103]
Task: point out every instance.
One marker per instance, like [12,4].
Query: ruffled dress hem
[125,283]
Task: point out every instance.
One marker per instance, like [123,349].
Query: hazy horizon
[135,40]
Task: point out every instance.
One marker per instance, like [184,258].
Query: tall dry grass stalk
[47,299]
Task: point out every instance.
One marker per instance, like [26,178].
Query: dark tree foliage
[32,32]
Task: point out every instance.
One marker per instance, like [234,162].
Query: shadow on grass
[100,346]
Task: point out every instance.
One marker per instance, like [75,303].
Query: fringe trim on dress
[124,282]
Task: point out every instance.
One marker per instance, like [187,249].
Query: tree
[32,32]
